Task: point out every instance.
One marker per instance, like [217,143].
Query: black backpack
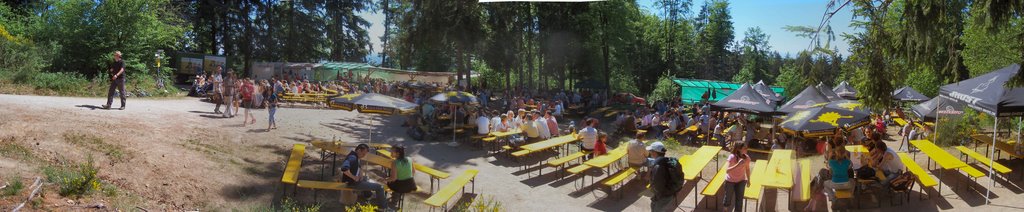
[674,172]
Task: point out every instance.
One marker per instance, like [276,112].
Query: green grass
[13,150]
[117,153]
[288,205]
[74,180]
[13,189]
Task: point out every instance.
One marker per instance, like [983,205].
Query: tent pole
[992,159]
[938,116]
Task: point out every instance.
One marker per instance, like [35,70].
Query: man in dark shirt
[350,174]
[116,71]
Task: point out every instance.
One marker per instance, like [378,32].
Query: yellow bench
[711,190]
[618,178]
[805,180]
[753,191]
[984,160]
[922,176]
[291,170]
[560,162]
[520,153]
[971,171]
[326,185]
[443,195]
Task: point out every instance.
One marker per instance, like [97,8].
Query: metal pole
[992,160]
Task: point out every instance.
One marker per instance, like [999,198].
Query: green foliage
[481,205]
[61,82]
[664,90]
[90,31]
[791,80]
[360,207]
[9,149]
[13,188]
[74,180]
[714,35]
[924,80]
[984,50]
[956,130]
[290,205]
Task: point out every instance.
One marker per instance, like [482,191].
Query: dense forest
[920,43]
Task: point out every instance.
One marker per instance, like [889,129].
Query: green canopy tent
[330,71]
[692,90]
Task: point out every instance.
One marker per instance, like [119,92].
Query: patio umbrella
[766,92]
[823,119]
[807,98]
[845,91]
[908,94]
[455,98]
[827,92]
[371,103]
[986,93]
[929,110]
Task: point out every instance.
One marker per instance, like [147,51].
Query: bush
[480,205]
[75,180]
[12,189]
[664,90]
[61,82]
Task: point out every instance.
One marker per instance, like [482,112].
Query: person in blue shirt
[352,175]
[839,164]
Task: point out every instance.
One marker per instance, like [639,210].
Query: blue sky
[771,16]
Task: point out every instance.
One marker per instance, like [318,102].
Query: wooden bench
[753,191]
[443,195]
[805,180]
[325,185]
[618,178]
[923,178]
[711,190]
[964,151]
[560,162]
[291,170]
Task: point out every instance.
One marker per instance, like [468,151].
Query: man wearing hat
[664,188]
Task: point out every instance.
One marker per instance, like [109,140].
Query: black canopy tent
[807,98]
[845,91]
[746,100]
[827,92]
[987,94]
[908,94]
[767,92]
[928,110]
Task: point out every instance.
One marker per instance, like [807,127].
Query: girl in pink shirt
[736,176]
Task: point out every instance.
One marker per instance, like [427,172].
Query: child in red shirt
[600,148]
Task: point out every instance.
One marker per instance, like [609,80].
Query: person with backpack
[736,176]
[666,178]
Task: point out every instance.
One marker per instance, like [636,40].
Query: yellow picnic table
[506,134]
[779,171]
[690,129]
[604,161]
[698,160]
[1003,146]
[694,164]
[856,149]
[941,157]
[550,143]
[900,121]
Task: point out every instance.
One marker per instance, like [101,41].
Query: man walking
[218,90]
[116,70]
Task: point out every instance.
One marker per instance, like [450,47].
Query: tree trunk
[604,51]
